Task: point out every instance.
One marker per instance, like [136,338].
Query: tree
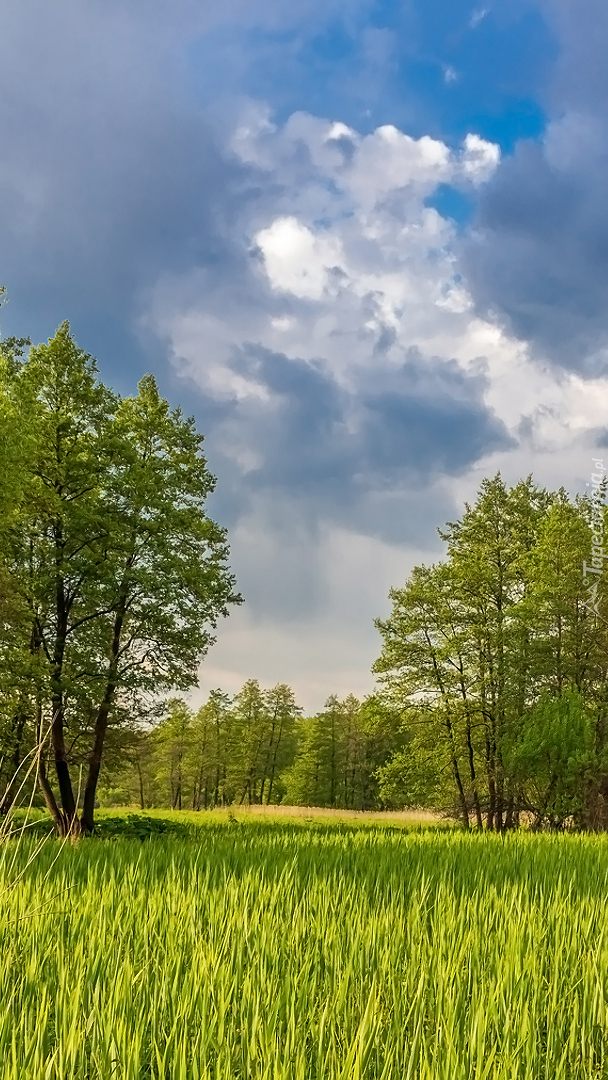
[171,741]
[381,727]
[65,546]
[228,751]
[423,669]
[19,667]
[248,729]
[282,713]
[487,550]
[314,777]
[485,649]
[208,751]
[339,752]
[167,581]
[553,758]
[124,574]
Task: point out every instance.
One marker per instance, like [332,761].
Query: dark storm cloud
[538,256]
[108,175]
[313,439]
[112,169]
[429,418]
[580,78]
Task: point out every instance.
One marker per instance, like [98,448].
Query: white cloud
[297,261]
[478,16]
[479,159]
[388,161]
[359,269]
[353,270]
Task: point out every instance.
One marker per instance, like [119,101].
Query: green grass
[305,951]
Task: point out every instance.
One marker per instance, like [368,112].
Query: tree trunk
[49,798]
[491,788]
[101,723]
[273,767]
[66,792]
[499,808]
[90,787]
[142,801]
[18,726]
[472,770]
[464,812]
[491,814]
[43,783]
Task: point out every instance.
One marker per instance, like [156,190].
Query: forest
[491,703]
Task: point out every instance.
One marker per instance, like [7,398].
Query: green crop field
[304,949]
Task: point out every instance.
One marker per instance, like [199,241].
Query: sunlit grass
[301,950]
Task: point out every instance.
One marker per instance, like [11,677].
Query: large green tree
[122,572]
[474,645]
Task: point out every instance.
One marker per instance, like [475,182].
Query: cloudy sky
[364,242]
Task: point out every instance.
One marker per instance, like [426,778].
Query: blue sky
[364,242]
[439,68]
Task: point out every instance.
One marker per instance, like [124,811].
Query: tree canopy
[113,575]
[499,667]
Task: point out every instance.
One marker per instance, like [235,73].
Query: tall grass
[307,952]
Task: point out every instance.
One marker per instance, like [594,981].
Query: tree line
[492,699]
[257,748]
[492,704]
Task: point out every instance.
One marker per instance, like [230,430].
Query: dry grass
[416,816]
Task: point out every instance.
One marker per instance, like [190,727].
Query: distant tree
[279,744]
[171,741]
[248,729]
[227,751]
[382,738]
[208,751]
[313,778]
[339,752]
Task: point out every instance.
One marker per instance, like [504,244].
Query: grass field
[293,949]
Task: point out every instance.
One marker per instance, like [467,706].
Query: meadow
[279,949]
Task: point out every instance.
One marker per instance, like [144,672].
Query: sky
[363,242]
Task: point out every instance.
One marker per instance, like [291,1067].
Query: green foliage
[339,752]
[498,667]
[109,554]
[552,757]
[171,739]
[415,776]
[256,748]
[141,827]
